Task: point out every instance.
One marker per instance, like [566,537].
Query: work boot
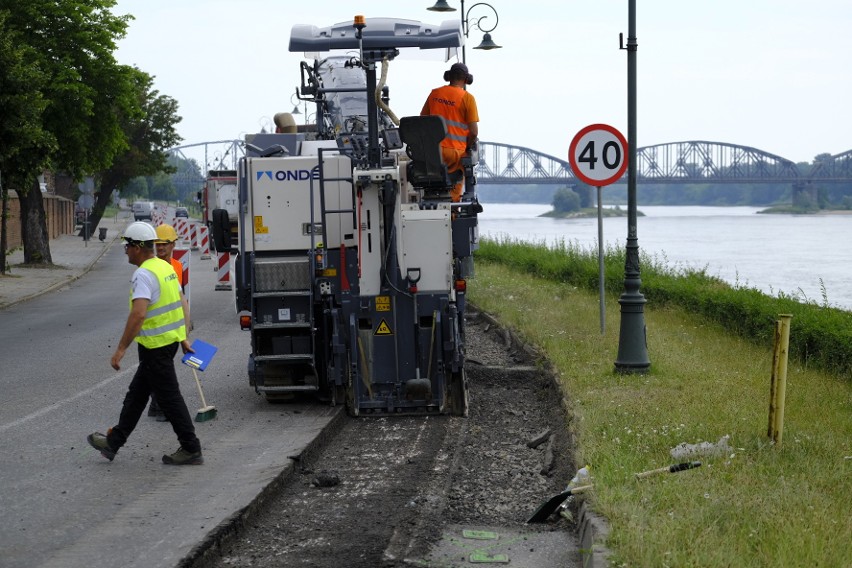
[155,411]
[182,457]
[100,443]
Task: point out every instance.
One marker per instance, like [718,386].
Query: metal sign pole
[601,282]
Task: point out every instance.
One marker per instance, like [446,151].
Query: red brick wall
[59,212]
[13,222]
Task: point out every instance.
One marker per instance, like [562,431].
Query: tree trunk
[101,203]
[34,227]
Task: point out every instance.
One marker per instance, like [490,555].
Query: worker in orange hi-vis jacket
[458,107]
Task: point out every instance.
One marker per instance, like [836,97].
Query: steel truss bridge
[696,161]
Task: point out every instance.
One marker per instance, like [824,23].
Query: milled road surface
[426,491]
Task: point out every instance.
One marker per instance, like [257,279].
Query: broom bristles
[206,413]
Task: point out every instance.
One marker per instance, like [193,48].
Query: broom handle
[198,384]
[674,468]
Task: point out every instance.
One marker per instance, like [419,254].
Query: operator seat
[427,171]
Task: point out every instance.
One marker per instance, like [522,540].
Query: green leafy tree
[150,130]
[566,200]
[187,177]
[137,187]
[71,43]
[161,187]
[23,141]
[587,195]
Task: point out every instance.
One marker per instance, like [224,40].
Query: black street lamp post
[486,43]
[632,340]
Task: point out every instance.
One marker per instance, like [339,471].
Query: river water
[800,255]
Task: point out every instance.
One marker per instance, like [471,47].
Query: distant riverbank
[590,213]
[790,210]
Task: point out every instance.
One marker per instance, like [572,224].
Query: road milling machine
[352,262]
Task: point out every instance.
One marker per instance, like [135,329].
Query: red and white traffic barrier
[183,256]
[224,271]
[193,235]
[182,228]
[204,242]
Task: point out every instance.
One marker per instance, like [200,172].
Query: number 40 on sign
[598,155]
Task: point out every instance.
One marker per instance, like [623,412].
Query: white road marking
[61,403]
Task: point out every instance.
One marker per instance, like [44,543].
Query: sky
[770,74]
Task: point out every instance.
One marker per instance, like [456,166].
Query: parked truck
[219,203]
[352,262]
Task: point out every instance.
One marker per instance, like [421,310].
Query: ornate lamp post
[632,341]
[467,23]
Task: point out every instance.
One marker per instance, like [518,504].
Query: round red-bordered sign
[598,154]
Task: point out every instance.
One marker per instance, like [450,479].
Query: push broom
[198,359]
[204,413]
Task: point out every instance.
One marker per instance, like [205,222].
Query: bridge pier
[805,195]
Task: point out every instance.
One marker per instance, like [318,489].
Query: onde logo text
[288,175]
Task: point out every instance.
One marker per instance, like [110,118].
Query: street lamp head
[295,103]
[441,6]
[487,43]
[477,23]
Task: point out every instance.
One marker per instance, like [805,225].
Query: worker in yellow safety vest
[458,107]
[156,323]
[164,247]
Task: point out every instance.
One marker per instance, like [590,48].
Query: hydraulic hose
[378,93]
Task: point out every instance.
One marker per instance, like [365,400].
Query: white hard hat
[140,232]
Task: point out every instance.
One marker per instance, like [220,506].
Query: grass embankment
[757,505]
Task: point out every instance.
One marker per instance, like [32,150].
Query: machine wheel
[221,234]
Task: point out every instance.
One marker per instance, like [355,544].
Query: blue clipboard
[204,353]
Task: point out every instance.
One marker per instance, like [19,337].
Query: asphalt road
[65,505]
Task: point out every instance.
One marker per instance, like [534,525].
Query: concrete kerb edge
[592,529]
[206,553]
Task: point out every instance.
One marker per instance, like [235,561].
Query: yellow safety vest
[164,323]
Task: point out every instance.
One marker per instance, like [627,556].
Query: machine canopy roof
[379,33]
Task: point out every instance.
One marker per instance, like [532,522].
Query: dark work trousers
[156,374]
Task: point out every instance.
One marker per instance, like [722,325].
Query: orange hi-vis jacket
[178,267]
[458,107]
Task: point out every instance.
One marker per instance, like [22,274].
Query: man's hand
[138,309]
[116,358]
[184,345]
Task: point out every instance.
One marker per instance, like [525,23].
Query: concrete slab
[466,545]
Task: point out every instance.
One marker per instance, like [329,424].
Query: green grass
[822,334]
[759,505]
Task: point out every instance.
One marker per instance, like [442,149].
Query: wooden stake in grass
[778,385]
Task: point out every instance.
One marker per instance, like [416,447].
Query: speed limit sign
[598,154]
